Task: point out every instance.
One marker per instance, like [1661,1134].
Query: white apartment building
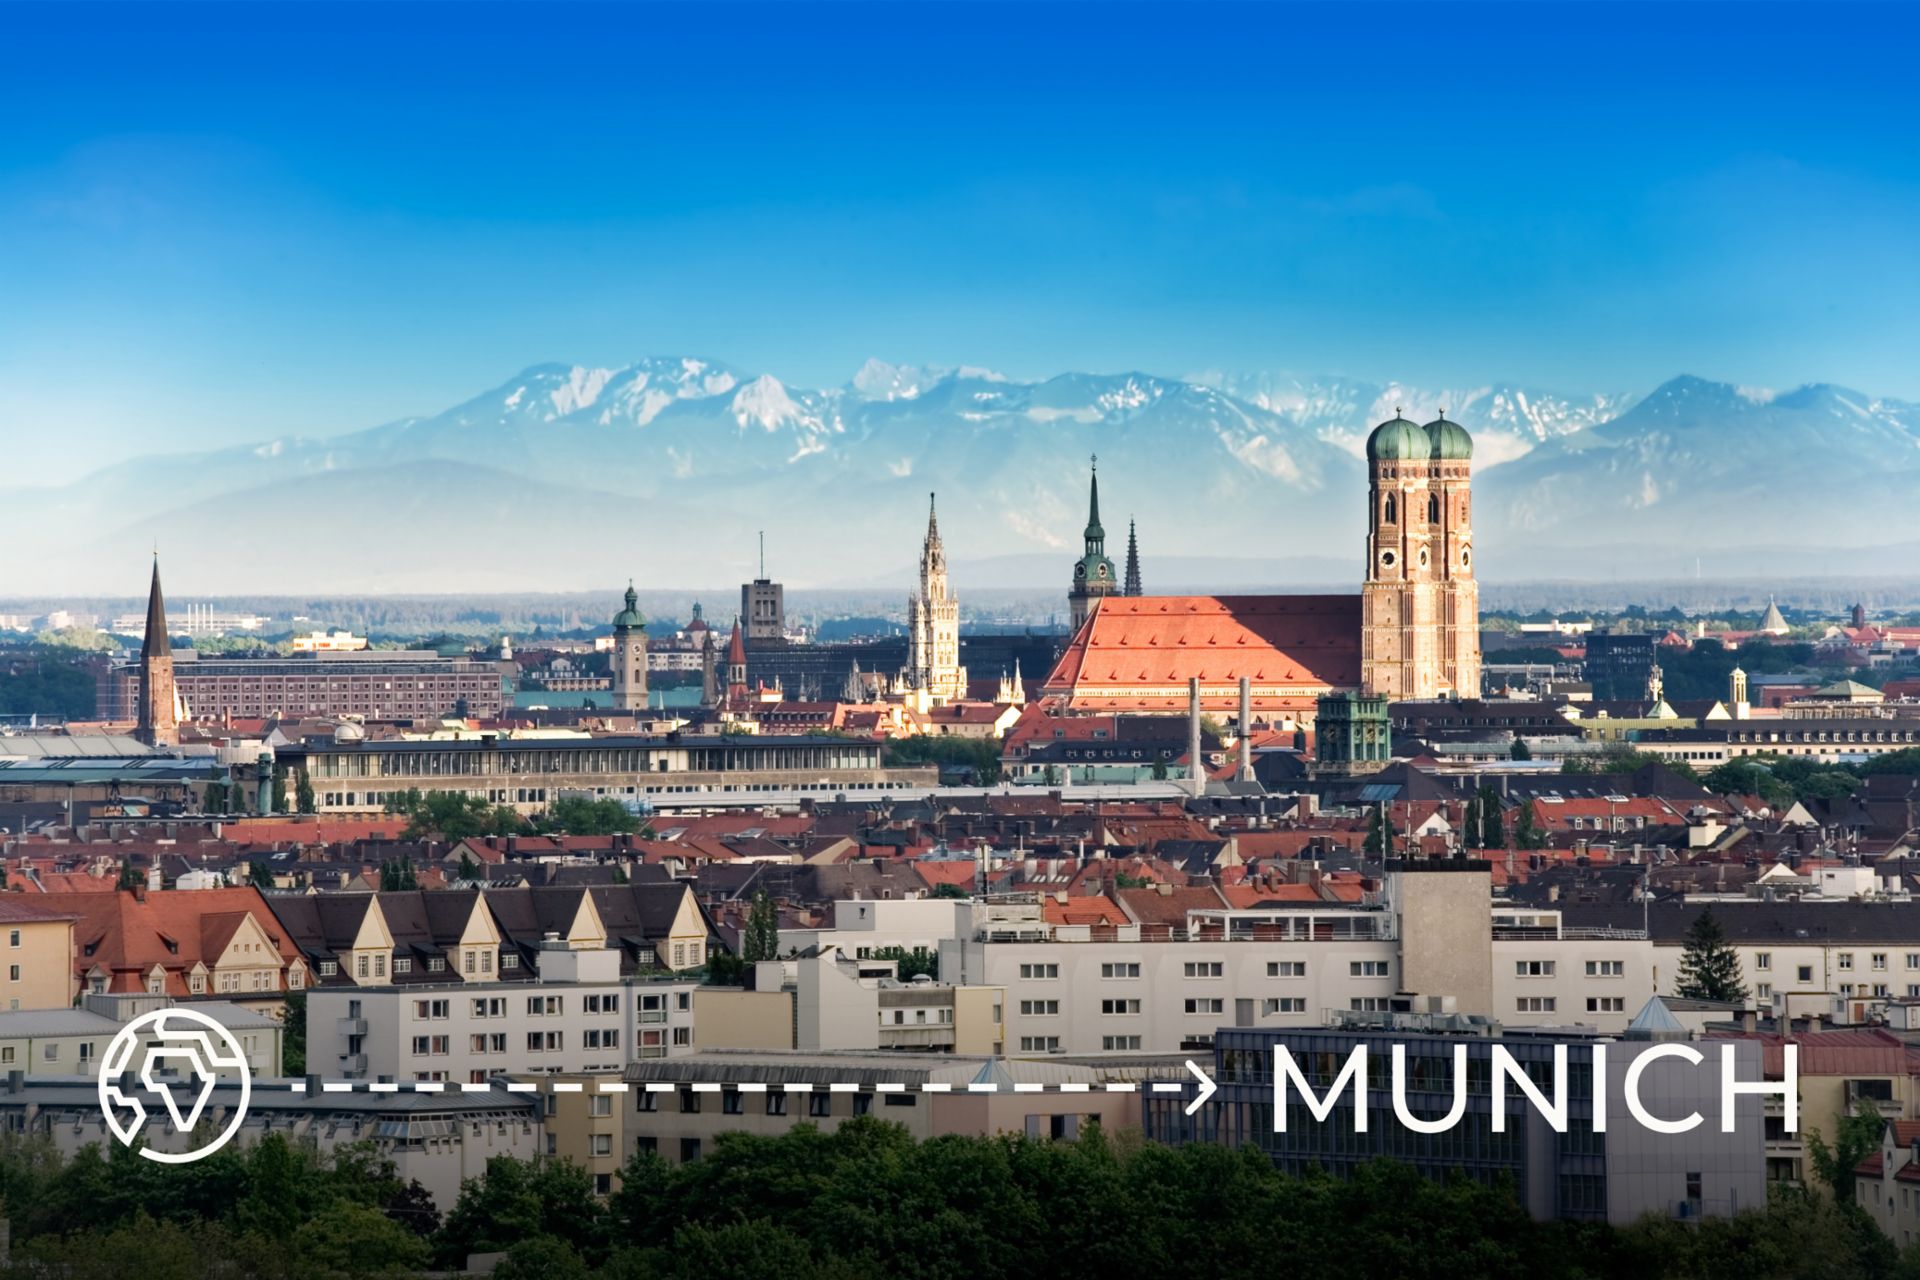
[72,1042]
[1081,989]
[579,1017]
[863,926]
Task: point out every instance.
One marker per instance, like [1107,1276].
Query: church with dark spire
[1133,562]
[159,711]
[1093,575]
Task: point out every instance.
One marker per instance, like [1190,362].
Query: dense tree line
[979,758]
[866,1202]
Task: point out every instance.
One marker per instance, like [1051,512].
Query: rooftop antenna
[763,555]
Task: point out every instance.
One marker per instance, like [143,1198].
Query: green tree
[949,891]
[911,964]
[1857,1137]
[1526,830]
[1709,966]
[1379,834]
[469,869]
[761,938]
[542,1258]
[587,816]
[1493,825]
[130,876]
[1521,751]
[303,795]
[451,815]
[293,1035]
[356,1242]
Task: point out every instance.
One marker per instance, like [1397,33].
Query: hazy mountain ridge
[666,468]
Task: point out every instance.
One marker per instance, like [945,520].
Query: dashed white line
[521,1086]
[660,1087]
[791,1088]
[843,1086]
[936,1086]
[706,1086]
[470,1087]
[982,1086]
[566,1086]
[299,1086]
[1024,1086]
[613,1086]
[752,1086]
[1120,1088]
[1168,1088]
[890,1088]
[384,1086]
[337,1086]
[1076,1086]
[429,1086]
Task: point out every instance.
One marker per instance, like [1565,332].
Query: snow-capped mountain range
[665,469]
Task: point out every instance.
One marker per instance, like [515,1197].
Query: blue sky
[221,224]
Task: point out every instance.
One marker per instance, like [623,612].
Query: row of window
[1549,1004]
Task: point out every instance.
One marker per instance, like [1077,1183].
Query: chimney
[154,883]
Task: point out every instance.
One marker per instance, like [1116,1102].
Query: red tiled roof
[1164,906]
[131,933]
[953,871]
[1091,909]
[1137,653]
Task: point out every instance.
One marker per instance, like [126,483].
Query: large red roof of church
[1137,653]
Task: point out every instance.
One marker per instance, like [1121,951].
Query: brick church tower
[1420,605]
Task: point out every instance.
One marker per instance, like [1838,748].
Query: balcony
[931,1036]
[352,1026]
[353,1064]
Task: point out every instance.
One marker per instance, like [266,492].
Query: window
[1369,968]
[328,968]
[380,965]
[403,964]
[1764,991]
[733,1103]
[430,1010]
[1846,959]
[1283,1004]
[1119,1008]
[13,937]
[682,1037]
[1879,960]
[1207,1004]
[492,1007]
[436,964]
[819,1105]
[603,1004]
[1805,973]
[545,1006]
[1205,969]
[1606,1004]
[1039,1008]
[1606,968]
[647,1101]
[777,1103]
[509,960]
[1286,968]
[1039,1044]
[1113,1043]
[1533,968]
[689,1103]
[1763,960]
[1369,1004]
[545,1041]
[13,975]
[602,1144]
[1031,971]
[1123,969]
[597,1038]
[360,966]
[1535,1004]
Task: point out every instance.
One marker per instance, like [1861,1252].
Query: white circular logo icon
[199,1051]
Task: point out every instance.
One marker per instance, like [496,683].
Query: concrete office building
[372,684]
[1615,1176]
[438,1139]
[72,1041]
[826,1000]
[712,1093]
[529,773]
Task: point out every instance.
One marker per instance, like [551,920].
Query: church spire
[1095,534]
[157,642]
[1133,561]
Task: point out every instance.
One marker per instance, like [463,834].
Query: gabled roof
[1137,653]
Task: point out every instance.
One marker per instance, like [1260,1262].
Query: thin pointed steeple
[1133,561]
[1095,534]
[157,642]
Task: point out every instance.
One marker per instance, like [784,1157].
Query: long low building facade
[527,774]
[369,683]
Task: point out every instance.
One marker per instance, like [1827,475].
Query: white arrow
[1207,1086]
